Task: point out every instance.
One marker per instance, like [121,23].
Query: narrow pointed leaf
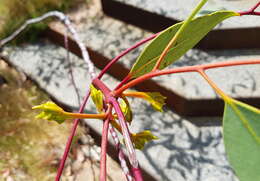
[52,112]
[191,35]
[140,139]
[97,98]
[242,139]
[156,99]
[126,109]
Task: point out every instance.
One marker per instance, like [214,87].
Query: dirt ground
[30,149]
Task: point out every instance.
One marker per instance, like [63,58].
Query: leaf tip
[140,139]
[51,112]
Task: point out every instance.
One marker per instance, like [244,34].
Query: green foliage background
[13,13]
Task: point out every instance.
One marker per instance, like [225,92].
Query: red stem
[103,165]
[137,173]
[126,79]
[194,68]
[129,145]
[251,11]
[125,131]
[126,134]
[103,168]
[124,53]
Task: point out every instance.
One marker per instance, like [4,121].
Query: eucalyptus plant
[241,122]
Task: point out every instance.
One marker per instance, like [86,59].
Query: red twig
[181,69]
[125,131]
[137,173]
[124,81]
[251,11]
[103,165]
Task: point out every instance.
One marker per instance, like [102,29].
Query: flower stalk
[103,165]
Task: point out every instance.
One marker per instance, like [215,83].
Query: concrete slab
[180,9]
[158,15]
[46,64]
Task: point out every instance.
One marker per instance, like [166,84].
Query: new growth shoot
[113,107]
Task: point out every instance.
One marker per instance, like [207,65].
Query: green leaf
[51,112]
[141,138]
[97,98]
[242,139]
[156,99]
[190,36]
[126,109]
[204,12]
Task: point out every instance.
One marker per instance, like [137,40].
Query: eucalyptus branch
[126,134]
[125,131]
[129,145]
[195,68]
[111,97]
[213,85]
[251,11]
[112,131]
[103,165]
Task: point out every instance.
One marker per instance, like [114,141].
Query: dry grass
[29,148]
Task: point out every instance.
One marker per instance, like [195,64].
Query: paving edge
[155,23]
